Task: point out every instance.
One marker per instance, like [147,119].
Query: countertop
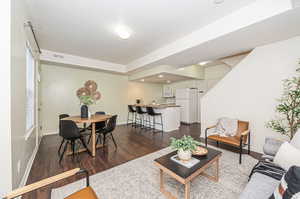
[158,106]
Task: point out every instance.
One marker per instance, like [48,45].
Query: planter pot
[184,155]
[84,111]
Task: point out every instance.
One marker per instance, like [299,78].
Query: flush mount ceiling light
[160,76]
[168,81]
[204,63]
[218,1]
[122,31]
[180,69]
[142,80]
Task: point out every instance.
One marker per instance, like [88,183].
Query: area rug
[139,179]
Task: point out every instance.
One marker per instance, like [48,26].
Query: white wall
[250,90]
[58,93]
[5,140]
[213,74]
[22,146]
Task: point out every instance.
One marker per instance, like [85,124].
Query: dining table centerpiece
[88,95]
[184,146]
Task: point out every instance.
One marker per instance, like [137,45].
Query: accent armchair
[85,193]
[240,140]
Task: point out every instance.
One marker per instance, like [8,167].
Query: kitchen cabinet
[168,92]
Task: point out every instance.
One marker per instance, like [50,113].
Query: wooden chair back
[242,126]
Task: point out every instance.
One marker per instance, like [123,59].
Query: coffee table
[185,175]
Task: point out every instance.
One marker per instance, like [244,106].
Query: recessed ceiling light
[142,80]
[204,63]
[168,81]
[123,32]
[180,69]
[218,1]
[160,76]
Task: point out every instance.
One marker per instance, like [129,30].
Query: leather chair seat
[86,193]
[232,140]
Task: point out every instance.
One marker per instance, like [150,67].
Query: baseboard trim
[50,133]
[121,123]
[29,165]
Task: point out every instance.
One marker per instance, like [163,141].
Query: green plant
[86,100]
[288,120]
[186,143]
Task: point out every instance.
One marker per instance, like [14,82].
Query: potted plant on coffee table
[184,147]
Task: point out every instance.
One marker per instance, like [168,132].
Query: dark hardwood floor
[132,143]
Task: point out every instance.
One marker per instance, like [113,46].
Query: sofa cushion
[296,140]
[287,156]
[289,187]
[259,187]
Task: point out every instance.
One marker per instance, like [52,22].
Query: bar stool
[141,120]
[153,114]
[131,112]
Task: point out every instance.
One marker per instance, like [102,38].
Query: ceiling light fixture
[123,32]
[204,63]
[160,76]
[142,80]
[218,1]
[168,81]
[180,69]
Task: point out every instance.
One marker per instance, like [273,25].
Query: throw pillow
[226,127]
[289,187]
[287,156]
[271,146]
[296,140]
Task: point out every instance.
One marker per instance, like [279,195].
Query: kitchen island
[170,116]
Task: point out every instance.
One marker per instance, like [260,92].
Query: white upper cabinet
[168,91]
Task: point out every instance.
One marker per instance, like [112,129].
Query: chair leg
[97,140]
[73,149]
[134,120]
[62,142]
[104,139]
[89,140]
[162,125]
[142,122]
[154,123]
[206,137]
[249,143]
[64,150]
[241,151]
[127,118]
[113,140]
[85,146]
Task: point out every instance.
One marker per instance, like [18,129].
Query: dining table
[93,119]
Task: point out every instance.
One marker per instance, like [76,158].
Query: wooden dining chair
[85,193]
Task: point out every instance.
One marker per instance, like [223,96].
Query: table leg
[168,194]
[217,169]
[161,175]
[93,140]
[187,190]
